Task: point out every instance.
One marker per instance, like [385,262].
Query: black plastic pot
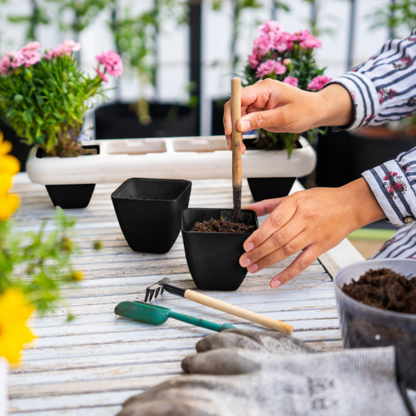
[71,196]
[213,257]
[120,121]
[149,212]
[267,188]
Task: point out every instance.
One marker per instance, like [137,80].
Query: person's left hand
[311,221]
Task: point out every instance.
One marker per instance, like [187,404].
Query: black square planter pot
[149,212]
[71,196]
[269,188]
[213,257]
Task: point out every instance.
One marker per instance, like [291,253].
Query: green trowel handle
[200,322]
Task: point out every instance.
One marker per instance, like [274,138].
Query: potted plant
[288,58]
[137,41]
[33,269]
[44,98]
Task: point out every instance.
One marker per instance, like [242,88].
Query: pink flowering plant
[288,58]
[45,96]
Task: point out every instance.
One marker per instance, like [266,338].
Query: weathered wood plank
[89,367]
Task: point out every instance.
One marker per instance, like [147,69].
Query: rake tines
[154,291]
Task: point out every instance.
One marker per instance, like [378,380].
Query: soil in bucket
[387,290]
[222,226]
[384,289]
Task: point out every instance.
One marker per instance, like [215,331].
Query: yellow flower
[8,163]
[9,166]
[8,205]
[14,333]
[77,276]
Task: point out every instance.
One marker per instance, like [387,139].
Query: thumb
[258,120]
[225,361]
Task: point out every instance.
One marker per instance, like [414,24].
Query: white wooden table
[90,366]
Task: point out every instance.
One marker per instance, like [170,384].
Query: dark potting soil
[384,289]
[222,226]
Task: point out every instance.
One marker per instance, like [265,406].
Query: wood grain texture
[90,366]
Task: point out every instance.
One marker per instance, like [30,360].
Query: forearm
[333,107]
[361,206]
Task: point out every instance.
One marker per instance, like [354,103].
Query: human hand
[311,221]
[279,107]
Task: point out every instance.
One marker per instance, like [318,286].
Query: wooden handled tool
[236,145]
[226,307]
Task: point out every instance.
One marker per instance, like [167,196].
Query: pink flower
[253,61]
[279,68]
[265,68]
[270,66]
[318,83]
[263,44]
[301,36]
[5,65]
[269,26]
[27,58]
[291,81]
[310,42]
[49,55]
[31,46]
[66,47]
[101,75]
[287,61]
[283,42]
[112,62]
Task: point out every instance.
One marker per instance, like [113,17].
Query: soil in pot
[222,226]
[213,257]
[387,290]
[71,196]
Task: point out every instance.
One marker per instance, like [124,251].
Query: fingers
[275,221]
[281,244]
[304,260]
[264,207]
[222,361]
[234,338]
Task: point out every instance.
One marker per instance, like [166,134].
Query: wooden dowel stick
[236,143]
[237,311]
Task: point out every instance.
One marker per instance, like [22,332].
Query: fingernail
[245,125]
[245,262]
[276,283]
[249,246]
[252,268]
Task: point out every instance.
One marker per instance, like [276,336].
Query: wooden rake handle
[237,311]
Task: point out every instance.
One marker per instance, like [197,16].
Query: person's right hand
[279,107]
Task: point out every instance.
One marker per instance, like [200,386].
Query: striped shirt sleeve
[384,87]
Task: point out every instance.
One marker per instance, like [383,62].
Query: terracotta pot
[213,257]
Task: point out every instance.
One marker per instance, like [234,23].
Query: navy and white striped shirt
[384,89]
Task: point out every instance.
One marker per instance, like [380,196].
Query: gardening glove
[273,375]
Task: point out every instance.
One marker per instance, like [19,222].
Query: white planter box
[4,368]
[179,158]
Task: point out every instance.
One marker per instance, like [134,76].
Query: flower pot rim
[217,209]
[382,313]
[114,195]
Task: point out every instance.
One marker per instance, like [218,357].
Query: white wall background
[174,73]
